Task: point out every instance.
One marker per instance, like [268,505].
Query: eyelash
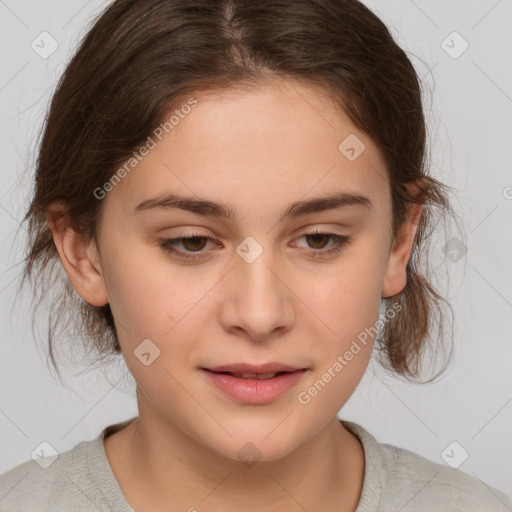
[168,245]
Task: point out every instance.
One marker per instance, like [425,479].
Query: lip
[251,368]
[254,391]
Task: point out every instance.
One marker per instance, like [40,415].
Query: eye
[320,238]
[193,245]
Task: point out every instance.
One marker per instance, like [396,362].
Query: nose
[259,302]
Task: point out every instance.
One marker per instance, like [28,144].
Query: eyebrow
[223,211]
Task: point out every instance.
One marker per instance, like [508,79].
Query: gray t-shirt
[395,480]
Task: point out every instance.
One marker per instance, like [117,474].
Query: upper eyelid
[319,231]
[301,232]
[304,233]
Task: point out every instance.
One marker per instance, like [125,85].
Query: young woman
[235,190]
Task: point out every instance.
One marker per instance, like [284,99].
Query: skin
[258,151]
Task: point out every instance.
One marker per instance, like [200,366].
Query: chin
[252,446]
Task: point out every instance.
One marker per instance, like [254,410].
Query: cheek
[348,303]
[147,294]
[347,298]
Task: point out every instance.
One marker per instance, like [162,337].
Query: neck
[156,464]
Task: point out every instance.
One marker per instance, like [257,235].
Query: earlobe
[78,256]
[395,277]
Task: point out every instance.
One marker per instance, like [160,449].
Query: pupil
[318,235]
[193,241]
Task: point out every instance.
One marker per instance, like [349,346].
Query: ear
[395,277]
[79,257]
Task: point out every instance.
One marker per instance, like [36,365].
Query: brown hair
[141,59]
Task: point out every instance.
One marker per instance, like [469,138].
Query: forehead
[264,147]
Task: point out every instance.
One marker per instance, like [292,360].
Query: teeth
[255,375]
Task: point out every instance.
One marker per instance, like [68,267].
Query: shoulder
[410,482]
[439,486]
[48,483]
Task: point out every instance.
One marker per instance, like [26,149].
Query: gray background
[469,103]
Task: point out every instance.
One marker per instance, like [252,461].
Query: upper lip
[251,368]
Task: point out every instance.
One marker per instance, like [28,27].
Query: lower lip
[254,391]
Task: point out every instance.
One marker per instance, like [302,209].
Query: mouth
[259,376]
[247,368]
[254,384]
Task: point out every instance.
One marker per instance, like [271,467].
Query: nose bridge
[260,300]
[259,279]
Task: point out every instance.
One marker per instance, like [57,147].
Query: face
[191,289]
